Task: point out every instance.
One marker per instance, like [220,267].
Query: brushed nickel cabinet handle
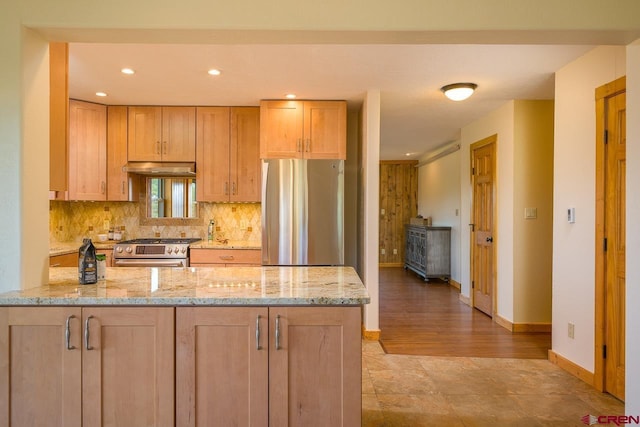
[67,333]
[308,144]
[157,147]
[299,145]
[103,187]
[226,188]
[86,333]
[233,188]
[164,147]
[226,257]
[278,332]
[258,347]
[123,187]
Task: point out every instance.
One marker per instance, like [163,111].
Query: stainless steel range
[152,253]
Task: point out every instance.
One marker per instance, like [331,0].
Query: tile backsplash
[71,221]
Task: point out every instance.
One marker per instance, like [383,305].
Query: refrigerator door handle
[265,235]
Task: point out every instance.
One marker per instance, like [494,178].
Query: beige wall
[574,187]
[533,188]
[439,198]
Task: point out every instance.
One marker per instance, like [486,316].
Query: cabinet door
[281,129]
[128,366]
[145,134]
[58,116]
[178,134]
[65,260]
[40,382]
[87,151]
[212,154]
[315,368]
[118,188]
[245,170]
[325,129]
[222,374]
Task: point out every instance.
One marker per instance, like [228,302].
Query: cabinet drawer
[225,256]
[66,260]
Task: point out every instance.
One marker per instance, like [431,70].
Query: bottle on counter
[210,230]
[87,264]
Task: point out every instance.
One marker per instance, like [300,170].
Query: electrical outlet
[395,252]
[382,251]
[572,330]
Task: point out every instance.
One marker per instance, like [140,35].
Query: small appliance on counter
[153,252]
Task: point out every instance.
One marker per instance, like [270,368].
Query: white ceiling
[415,116]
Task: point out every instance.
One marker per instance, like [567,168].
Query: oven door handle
[150,263]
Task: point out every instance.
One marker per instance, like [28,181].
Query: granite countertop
[231,244]
[73,247]
[261,286]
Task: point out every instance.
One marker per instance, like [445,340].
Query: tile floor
[415,391]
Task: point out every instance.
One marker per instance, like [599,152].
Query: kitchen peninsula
[184,346]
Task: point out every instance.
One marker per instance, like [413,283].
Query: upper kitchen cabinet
[120,185]
[87,151]
[303,130]
[166,134]
[58,116]
[227,156]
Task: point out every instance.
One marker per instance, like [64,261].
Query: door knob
[489,239]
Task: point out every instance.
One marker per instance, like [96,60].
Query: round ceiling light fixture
[459,91]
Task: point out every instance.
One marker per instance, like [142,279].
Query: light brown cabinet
[166,134]
[72,366]
[303,129]
[224,257]
[64,260]
[87,151]
[228,154]
[121,186]
[58,117]
[279,366]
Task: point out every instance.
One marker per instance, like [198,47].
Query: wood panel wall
[399,202]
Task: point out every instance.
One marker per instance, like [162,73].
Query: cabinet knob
[489,239]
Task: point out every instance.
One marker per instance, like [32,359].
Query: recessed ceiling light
[291,96]
[101,94]
[127,71]
[214,72]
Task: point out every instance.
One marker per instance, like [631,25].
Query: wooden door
[615,231]
[117,180]
[128,366]
[87,151]
[178,134]
[325,130]
[483,227]
[212,154]
[40,377]
[281,129]
[245,169]
[222,377]
[314,366]
[144,134]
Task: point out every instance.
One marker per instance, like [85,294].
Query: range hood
[161,168]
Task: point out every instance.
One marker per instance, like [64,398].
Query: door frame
[601,94]
[493,139]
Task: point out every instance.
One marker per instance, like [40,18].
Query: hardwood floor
[427,318]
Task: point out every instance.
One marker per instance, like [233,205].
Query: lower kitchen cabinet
[281,366]
[64,260]
[91,366]
[224,257]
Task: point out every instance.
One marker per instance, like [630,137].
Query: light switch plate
[530,213]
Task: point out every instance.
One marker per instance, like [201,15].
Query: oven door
[156,262]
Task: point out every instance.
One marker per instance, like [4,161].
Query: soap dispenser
[210,230]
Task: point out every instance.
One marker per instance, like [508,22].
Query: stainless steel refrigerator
[302,212]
